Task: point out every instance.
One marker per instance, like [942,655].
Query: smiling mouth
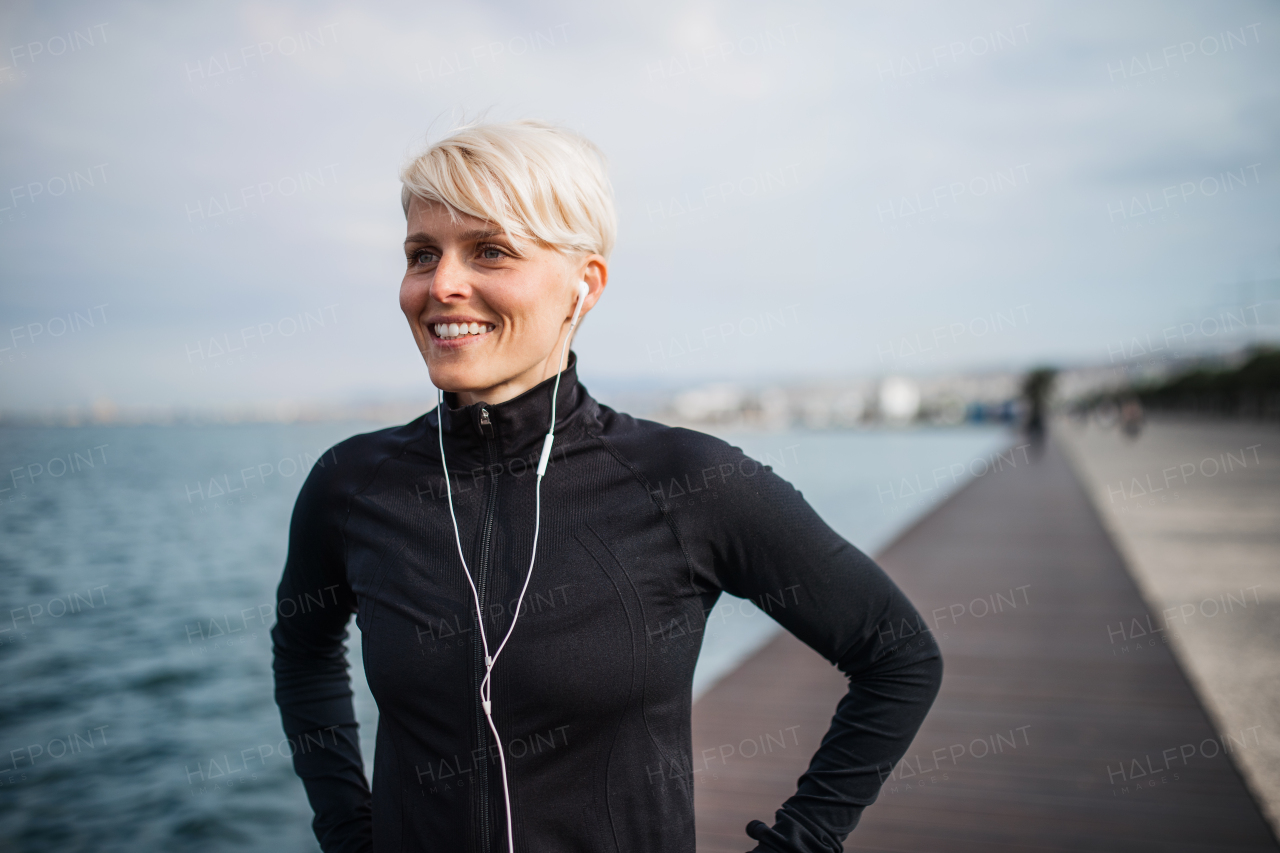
[450,331]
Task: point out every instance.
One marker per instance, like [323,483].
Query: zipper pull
[486,425]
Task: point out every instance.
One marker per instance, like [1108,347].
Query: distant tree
[1250,390]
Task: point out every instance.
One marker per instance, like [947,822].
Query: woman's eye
[491,254]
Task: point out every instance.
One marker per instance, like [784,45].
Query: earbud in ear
[583,289]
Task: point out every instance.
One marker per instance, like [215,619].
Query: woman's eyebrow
[478,234]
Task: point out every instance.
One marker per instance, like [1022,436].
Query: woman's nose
[449,284]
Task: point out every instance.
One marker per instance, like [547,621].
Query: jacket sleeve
[313,605]
[759,539]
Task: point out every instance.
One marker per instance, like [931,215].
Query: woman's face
[489,318]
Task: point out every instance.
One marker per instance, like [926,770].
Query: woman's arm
[872,728]
[313,605]
[756,537]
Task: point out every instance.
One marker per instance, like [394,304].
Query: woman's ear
[594,273]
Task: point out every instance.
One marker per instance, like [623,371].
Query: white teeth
[454,330]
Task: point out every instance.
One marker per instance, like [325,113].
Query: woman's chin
[456,379]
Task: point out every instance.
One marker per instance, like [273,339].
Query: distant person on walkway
[531,640]
[1035,392]
[1131,417]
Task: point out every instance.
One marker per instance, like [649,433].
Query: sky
[199,204]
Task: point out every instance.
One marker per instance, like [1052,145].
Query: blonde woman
[516,614]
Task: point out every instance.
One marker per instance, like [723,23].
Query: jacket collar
[518,426]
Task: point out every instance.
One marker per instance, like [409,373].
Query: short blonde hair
[533,180]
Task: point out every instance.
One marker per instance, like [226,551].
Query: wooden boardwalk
[1060,726]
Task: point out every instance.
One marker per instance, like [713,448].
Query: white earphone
[489,660]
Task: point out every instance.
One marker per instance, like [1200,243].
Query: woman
[568,721]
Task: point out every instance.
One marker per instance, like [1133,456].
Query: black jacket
[643,526]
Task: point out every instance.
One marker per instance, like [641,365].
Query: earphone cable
[486,684]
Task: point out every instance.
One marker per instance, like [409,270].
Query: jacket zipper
[482,583]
